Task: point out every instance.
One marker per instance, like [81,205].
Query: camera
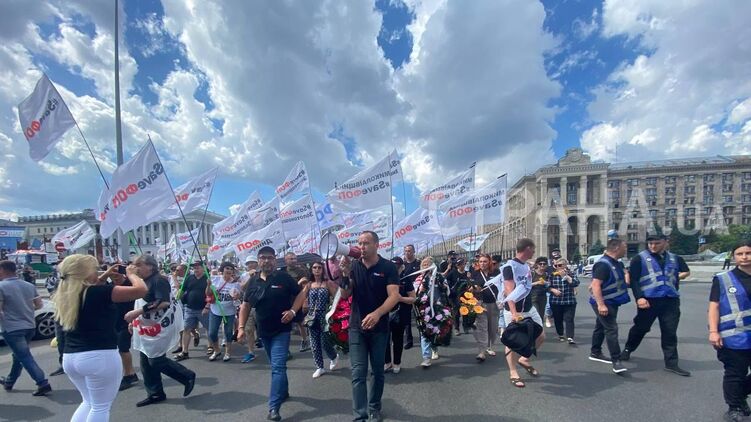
[121,269]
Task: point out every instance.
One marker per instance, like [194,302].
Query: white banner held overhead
[475,208]
[249,244]
[139,192]
[420,226]
[473,243]
[107,222]
[192,195]
[370,188]
[75,237]
[238,222]
[296,181]
[298,217]
[326,216]
[459,185]
[305,243]
[44,118]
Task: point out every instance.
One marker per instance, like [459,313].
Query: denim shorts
[192,317]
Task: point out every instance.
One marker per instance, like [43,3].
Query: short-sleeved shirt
[18,305]
[194,292]
[270,298]
[526,304]
[97,318]
[743,277]
[369,291]
[405,310]
[226,305]
[158,289]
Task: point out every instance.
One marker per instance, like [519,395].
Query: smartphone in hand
[121,269]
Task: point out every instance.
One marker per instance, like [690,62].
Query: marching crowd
[361,310]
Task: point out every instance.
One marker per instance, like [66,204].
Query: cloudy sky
[253,87]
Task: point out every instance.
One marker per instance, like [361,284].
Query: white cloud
[583,29]
[673,101]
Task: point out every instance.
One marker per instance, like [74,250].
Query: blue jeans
[276,348]
[18,341]
[364,347]
[427,351]
[229,327]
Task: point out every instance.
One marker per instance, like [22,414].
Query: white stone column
[143,235]
[564,191]
[583,191]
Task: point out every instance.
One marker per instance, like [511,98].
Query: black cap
[451,253]
[397,260]
[197,264]
[267,249]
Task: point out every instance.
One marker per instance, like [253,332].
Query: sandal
[530,369]
[517,382]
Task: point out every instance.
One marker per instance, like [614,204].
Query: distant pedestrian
[726,263]
[18,300]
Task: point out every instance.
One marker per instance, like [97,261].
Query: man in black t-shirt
[157,298]
[373,283]
[277,299]
[193,297]
[410,266]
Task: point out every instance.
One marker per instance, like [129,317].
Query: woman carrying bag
[318,291]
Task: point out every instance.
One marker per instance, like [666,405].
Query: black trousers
[606,328]
[153,368]
[736,382]
[407,330]
[668,311]
[564,315]
[539,300]
[396,340]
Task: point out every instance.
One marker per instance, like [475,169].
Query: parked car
[590,263]
[45,321]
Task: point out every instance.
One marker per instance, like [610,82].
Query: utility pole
[124,250]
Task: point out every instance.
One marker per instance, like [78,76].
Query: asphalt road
[570,388]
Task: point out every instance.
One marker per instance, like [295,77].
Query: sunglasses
[560,265]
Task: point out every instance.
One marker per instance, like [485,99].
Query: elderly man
[156,309]
[18,300]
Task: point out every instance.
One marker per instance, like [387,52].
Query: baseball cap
[267,249]
[655,236]
[250,259]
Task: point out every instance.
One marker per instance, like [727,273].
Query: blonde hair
[426,262]
[74,270]
[563,261]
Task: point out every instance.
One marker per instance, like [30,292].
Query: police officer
[655,274]
[730,330]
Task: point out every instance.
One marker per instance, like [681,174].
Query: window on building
[670,201]
[747,175]
[690,212]
[689,190]
[728,210]
[690,178]
[670,180]
[651,191]
[745,198]
[746,187]
[727,199]
[632,237]
[746,220]
[652,214]
[727,177]
[633,182]
[618,216]
[633,226]
[670,191]
[708,189]
[708,210]
[708,178]
[728,221]
[671,212]
[39,230]
[651,181]
[689,223]
[614,184]
[708,199]
[689,200]
[727,187]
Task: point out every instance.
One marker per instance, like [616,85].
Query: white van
[590,263]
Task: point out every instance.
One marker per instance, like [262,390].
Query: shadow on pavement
[12,412]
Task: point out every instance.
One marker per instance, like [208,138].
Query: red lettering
[35,125]
[131,189]
[29,132]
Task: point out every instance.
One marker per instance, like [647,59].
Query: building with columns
[570,205]
[44,227]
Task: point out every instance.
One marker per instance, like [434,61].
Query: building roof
[676,162]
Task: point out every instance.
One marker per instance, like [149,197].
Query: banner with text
[44,118]
[296,181]
[75,237]
[249,244]
[459,185]
[370,188]
[420,226]
[475,208]
[298,217]
[193,195]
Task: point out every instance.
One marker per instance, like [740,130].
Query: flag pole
[118,123]
[391,198]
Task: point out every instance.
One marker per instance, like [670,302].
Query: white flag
[75,237]
[326,216]
[107,222]
[44,118]
[249,244]
[420,226]
[475,208]
[473,243]
[370,188]
[459,185]
[236,223]
[296,181]
[139,192]
[298,217]
[192,195]
[184,242]
[305,243]
[248,222]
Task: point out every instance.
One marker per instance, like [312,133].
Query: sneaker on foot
[434,355]
[426,363]
[561,338]
[599,357]
[375,416]
[480,357]
[678,371]
[42,391]
[274,415]
[58,371]
[6,386]
[548,323]
[396,369]
[618,367]
[625,355]
[128,381]
[734,415]
[318,372]
[226,357]
[248,357]
[571,340]
[214,356]
[334,365]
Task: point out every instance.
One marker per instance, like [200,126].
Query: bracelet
[241,326]
[711,331]
[294,314]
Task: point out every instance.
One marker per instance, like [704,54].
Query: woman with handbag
[221,308]
[318,291]
[399,317]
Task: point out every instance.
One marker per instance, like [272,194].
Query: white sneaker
[548,323]
[434,355]
[426,363]
[334,365]
[396,369]
[319,372]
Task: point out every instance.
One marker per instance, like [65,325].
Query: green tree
[719,242]
[683,244]
[576,257]
[597,248]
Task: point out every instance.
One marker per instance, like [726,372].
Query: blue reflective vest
[735,313]
[614,289]
[659,282]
